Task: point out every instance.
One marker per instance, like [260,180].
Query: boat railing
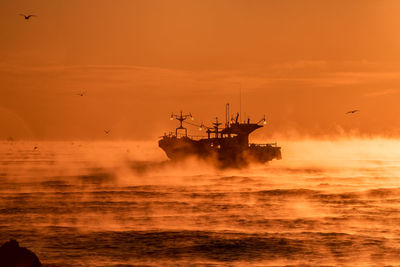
[180,135]
[275,144]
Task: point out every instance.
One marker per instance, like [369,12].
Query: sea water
[123,204]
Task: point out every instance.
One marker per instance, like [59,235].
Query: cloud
[304,96]
[382,92]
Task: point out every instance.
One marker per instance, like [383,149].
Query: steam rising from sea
[121,203]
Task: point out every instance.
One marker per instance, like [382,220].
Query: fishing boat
[226,146]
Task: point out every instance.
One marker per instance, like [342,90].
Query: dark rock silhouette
[12,255]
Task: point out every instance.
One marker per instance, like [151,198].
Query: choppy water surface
[113,204]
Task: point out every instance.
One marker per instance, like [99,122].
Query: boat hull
[218,151]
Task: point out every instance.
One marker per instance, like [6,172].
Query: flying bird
[82,93]
[27,17]
[35,148]
[107,131]
[352,111]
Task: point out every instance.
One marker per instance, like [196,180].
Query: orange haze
[303,63]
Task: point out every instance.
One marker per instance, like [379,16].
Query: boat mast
[181,118]
[216,124]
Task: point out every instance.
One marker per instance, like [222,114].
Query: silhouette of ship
[226,147]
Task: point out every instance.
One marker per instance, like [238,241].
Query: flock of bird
[83,93]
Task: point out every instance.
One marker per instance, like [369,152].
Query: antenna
[240,103]
[227,115]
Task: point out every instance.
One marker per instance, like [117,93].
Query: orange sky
[302,63]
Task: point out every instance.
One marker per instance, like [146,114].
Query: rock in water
[12,255]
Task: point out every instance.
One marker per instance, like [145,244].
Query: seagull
[352,111]
[27,17]
[107,131]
